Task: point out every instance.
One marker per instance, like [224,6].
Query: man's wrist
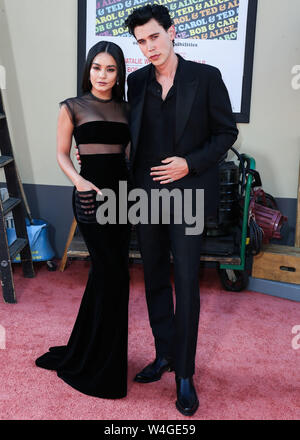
[188,162]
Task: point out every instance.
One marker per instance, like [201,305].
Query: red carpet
[246,367]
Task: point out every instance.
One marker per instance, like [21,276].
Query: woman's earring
[117,82]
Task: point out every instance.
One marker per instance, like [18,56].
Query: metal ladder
[15,203]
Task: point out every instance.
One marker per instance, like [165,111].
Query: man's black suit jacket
[205,127]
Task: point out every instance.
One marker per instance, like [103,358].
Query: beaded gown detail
[94,361]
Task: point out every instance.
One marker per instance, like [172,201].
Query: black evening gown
[94,361]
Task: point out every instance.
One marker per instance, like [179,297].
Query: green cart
[232,252]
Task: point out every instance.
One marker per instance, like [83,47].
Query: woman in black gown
[94,361]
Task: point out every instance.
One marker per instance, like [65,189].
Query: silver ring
[171,180]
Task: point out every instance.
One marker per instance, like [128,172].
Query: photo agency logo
[296,339]
[296,77]
[174,206]
[2,78]
[2,338]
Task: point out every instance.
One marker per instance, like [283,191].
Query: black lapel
[136,107]
[186,92]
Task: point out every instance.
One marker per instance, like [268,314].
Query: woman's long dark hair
[118,90]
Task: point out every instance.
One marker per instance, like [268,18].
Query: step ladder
[15,204]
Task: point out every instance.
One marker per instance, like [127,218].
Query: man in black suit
[181,126]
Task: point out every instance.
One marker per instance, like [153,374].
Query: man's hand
[77,155]
[175,168]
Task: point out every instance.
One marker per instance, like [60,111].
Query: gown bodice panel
[99,126]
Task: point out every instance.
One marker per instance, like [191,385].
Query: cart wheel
[51,265]
[234,280]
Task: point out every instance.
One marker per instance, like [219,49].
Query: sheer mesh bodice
[99,126]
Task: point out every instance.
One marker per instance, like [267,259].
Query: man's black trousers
[175,329]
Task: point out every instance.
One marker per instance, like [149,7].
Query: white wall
[273,135]
[38,47]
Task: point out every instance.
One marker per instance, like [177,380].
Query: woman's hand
[85,185]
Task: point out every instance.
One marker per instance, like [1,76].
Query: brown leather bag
[270,220]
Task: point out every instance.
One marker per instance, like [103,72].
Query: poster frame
[241,117]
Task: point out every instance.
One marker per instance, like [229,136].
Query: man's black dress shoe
[154,371]
[187,401]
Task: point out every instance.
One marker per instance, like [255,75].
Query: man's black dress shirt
[157,135]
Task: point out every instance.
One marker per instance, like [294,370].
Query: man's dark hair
[144,14]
